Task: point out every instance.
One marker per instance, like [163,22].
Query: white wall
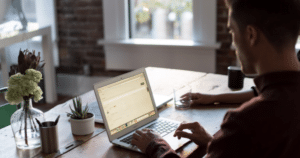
[133,57]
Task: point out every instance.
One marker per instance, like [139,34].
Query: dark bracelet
[254,91]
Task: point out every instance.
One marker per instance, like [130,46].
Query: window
[161,19]
[17,15]
[117,22]
[28,7]
[39,13]
[122,53]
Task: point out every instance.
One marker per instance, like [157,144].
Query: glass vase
[24,126]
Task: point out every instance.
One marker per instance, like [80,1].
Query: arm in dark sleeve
[231,140]
[159,148]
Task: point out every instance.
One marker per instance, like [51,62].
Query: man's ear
[252,35]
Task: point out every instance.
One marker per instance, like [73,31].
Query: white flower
[24,85]
[34,75]
[38,94]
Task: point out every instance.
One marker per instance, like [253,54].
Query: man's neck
[282,61]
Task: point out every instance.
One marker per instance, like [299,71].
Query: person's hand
[199,98]
[141,139]
[199,135]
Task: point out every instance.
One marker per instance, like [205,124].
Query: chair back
[6,110]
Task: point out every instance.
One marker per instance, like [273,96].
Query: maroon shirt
[266,126]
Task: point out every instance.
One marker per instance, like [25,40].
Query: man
[264,33]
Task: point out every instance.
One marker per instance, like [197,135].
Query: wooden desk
[162,81]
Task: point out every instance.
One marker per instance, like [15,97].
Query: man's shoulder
[249,108]
[248,113]
[259,112]
[254,105]
[261,105]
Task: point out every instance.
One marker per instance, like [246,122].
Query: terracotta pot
[83,126]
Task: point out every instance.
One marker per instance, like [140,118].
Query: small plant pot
[83,126]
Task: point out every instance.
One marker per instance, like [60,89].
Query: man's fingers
[136,136]
[180,134]
[186,95]
[195,95]
[134,142]
[192,95]
[195,102]
[147,130]
[139,132]
[190,126]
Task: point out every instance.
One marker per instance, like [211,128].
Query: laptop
[127,104]
[160,100]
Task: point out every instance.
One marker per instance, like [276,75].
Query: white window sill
[297,47]
[159,42]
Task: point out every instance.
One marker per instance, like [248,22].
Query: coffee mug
[235,77]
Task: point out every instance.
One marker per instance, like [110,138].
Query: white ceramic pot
[83,126]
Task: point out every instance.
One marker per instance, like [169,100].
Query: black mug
[235,77]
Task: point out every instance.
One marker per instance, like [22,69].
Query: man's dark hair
[278,20]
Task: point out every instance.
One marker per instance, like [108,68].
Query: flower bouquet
[22,87]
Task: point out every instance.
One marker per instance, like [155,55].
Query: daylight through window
[161,19]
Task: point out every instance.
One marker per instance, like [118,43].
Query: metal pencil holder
[49,137]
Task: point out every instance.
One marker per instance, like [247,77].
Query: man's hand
[141,139]
[199,135]
[198,98]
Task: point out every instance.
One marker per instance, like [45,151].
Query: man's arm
[234,97]
[231,140]
[159,148]
[152,144]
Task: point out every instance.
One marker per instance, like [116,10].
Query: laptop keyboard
[127,140]
[161,126]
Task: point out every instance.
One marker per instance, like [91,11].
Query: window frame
[123,53]
[116,21]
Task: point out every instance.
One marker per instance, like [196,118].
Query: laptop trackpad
[174,142]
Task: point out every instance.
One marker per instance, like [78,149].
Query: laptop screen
[126,102]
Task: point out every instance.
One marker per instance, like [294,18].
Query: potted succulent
[82,122]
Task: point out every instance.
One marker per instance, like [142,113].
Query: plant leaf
[13,70]
[85,110]
[74,105]
[79,105]
[69,114]
[78,114]
[41,67]
[70,108]
[21,62]
[75,114]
